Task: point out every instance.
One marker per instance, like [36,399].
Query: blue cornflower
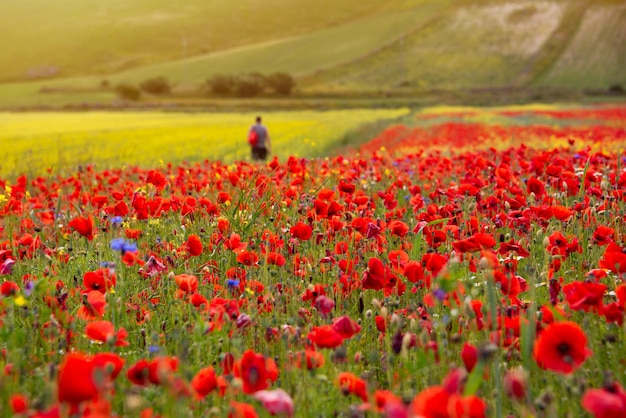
[119,244]
[117,220]
[232,283]
[440,294]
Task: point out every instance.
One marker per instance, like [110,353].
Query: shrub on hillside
[128,92]
[156,86]
[281,83]
[221,84]
[250,85]
[616,89]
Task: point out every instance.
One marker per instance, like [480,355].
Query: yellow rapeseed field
[31,143]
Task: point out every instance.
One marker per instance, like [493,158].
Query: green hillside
[484,45]
[73,37]
[596,56]
[342,47]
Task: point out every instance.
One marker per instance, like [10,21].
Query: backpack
[253,137]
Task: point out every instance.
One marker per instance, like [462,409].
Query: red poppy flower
[197,300]
[325,336]
[381,324]
[276,259]
[511,245]
[120,209]
[241,410]
[110,363]
[346,187]
[100,280]
[84,226]
[413,271]
[558,244]
[476,242]
[132,233]
[255,371]
[76,379]
[248,258]
[435,262]
[561,347]
[234,243]
[469,354]
[398,228]
[614,259]
[224,197]
[138,373]
[535,186]
[375,277]
[9,288]
[351,384]
[398,259]
[438,402]
[603,235]
[161,369]
[204,381]
[346,326]
[19,403]
[301,231]
[94,305]
[104,331]
[384,399]
[187,283]
[310,359]
[608,402]
[194,245]
[585,296]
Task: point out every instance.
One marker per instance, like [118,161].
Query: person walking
[259,140]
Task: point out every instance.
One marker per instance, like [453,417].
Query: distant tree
[281,83]
[250,85]
[222,85]
[128,92]
[157,86]
[616,89]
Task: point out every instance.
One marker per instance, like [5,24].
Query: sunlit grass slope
[90,36]
[349,46]
[596,56]
[297,55]
[306,53]
[480,45]
[35,141]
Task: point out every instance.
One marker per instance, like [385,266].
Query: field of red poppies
[447,268]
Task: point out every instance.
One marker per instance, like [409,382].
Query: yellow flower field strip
[33,142]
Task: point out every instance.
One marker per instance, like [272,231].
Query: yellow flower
[20,300]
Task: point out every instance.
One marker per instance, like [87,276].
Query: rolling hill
[85,37]
[346,47]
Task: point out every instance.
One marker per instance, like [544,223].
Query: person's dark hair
[258,119]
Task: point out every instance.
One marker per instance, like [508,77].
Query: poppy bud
[384,312]
[515,383]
